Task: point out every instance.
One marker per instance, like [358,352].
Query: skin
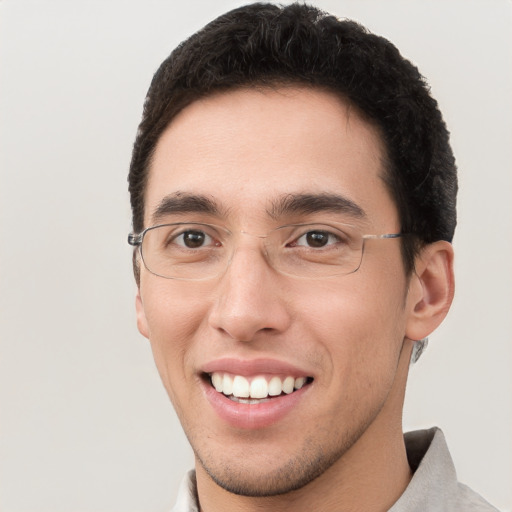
[341,446]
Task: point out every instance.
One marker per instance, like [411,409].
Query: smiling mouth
[255,390]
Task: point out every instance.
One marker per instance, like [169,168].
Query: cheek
[356,305]
[360,323]
[173,314]
[361,337]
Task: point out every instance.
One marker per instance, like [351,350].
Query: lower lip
[253,416]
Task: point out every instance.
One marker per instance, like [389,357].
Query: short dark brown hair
[270,45]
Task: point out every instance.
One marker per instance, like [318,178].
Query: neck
[369,477]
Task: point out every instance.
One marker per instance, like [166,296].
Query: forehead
[249,148]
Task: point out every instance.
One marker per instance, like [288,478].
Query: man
[293,196]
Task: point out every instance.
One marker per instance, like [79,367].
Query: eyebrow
[290,204]
[183,202]
[305,204]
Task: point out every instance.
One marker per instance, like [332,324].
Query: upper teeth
[257,387]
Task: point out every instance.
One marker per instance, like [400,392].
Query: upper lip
[249,367]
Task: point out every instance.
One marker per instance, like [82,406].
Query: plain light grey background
[85,423]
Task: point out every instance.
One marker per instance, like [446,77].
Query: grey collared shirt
[433,488]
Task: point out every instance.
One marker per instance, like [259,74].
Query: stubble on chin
[310,461]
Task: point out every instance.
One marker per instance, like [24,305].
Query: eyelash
[331,238]
[176,237]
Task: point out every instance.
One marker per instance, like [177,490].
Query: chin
[253,478]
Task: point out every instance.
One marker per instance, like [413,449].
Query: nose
[249,299]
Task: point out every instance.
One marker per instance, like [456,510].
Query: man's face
[247,151]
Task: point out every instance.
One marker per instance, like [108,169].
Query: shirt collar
[187,494]
[434,482]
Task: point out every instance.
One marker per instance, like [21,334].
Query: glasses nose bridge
[262,248]
[255,235]
[267,241]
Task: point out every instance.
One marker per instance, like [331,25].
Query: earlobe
[431,290]
[142,323]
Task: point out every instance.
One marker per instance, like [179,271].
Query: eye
[316,239]
[193,239]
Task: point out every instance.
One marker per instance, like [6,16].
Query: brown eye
[317,238]
[193,239]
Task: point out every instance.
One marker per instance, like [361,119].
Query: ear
[431,290]
[142,323]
